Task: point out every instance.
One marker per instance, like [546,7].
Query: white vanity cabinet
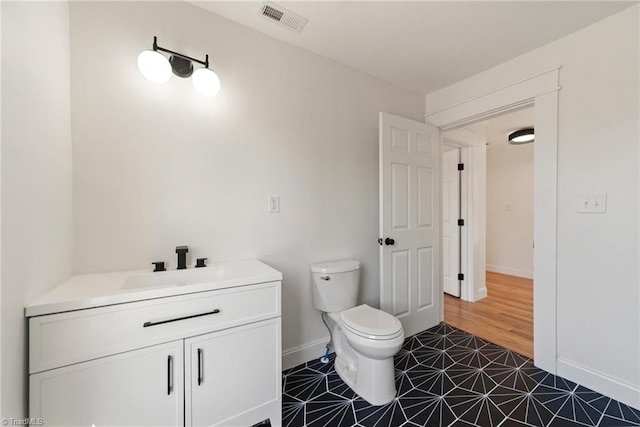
[137,388]
[211,357]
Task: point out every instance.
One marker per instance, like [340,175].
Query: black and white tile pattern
[447,377]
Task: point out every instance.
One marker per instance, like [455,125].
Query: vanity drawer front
[63,339]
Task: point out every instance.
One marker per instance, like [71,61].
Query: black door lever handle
[388,241]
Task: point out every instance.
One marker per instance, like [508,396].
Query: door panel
[410,215]
[400,196]
[137,388]
[233,376]
[400,266]
[450,228]
[424,145]
[399,139]
[425,197]
[426,286]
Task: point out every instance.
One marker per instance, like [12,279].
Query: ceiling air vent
[282,16]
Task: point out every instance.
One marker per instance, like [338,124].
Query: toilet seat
[371,323]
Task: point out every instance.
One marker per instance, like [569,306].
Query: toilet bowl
[364,356]
[365,339]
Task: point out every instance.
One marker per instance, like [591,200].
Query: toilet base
[374,379]
[366,366]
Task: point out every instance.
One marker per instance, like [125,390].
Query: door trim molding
[520,92]
[541,91]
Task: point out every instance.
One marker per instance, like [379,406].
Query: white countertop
[95,290]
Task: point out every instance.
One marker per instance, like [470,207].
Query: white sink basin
[192,276]
[102,289]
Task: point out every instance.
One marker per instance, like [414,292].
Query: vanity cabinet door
[233,377]
[137,388]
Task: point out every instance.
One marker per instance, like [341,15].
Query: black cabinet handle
[200,376]
[169,374]
[177,319]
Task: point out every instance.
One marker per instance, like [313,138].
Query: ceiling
[423,45]
[498,128]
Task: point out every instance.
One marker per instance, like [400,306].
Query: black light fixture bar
[188,58]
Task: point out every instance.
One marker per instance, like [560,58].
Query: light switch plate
[595,203]
[274,204]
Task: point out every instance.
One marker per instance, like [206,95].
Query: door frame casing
[541,91]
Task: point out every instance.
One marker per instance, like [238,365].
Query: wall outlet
[593,204]
[508,206]
[274,204]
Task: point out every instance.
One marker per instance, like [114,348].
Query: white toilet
[365,338]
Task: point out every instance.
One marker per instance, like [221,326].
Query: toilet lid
[336,267]
[370,321]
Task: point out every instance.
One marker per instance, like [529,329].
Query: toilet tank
[335,285]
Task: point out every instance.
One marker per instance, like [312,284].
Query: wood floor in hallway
[504,317]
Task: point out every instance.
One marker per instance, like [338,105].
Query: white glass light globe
[206,82]
[524,138]
[154,66]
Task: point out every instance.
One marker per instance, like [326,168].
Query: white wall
[598,283]
[510,232]
[157,166]
[36,175]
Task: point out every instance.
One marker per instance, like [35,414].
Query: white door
[233,377]
[450,216]
[410,222]
[137,388]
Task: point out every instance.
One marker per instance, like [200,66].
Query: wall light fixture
[156,67]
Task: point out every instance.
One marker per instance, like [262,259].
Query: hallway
[504,317]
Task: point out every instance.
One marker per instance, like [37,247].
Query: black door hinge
[460,166]
[460,222]
[460,276]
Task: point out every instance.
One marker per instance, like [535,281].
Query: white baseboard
[629,394]
[510,271]
[304,353]
[482,293]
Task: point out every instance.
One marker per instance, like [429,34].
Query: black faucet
[159,266]
[182,256]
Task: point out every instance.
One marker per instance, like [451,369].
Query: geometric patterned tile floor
[447,377]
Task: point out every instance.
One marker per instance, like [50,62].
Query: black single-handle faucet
[182,256]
